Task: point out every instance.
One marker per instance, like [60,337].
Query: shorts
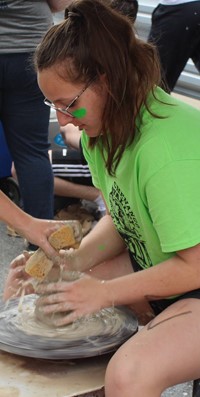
[161,304]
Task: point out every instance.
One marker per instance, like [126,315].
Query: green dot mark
[101,247]
[79,113]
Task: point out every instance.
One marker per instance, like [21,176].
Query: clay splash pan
[22,334]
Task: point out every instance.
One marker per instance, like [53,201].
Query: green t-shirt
[154,198]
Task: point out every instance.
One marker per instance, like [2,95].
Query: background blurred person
[72,177]
[24,116]
[175,30]
[126,7]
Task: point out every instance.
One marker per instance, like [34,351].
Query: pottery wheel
[93,335]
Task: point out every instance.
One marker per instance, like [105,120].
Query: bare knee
[129,373]
[121,375]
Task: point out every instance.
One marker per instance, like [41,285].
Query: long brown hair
[94,40]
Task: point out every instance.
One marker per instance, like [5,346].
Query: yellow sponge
[38,265]
[67,236]
[63,238]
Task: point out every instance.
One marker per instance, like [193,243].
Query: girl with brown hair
[142,147]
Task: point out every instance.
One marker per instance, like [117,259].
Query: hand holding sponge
[67,236]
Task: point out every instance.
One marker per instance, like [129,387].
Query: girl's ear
[103,78]
[103,81]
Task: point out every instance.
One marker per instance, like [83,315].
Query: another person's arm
[34,230]
[71,135]
[65,188]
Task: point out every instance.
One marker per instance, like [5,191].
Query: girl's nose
[64,119]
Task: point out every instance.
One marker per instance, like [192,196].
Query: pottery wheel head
[101,333]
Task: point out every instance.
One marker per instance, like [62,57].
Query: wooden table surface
[30,377]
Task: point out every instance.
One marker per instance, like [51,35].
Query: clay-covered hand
[84,296]
[37,231]
[17,278]
[71,260]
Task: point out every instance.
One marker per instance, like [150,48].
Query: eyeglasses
[66,109]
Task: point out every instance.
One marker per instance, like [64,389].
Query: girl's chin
[91,132]
[81,127]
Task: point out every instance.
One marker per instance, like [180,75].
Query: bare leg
[164,353]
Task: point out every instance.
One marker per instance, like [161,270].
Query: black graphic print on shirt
[127,225]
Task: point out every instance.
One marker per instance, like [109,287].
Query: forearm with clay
[100,245]
[13,215]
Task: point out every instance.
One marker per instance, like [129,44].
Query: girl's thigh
[166,350]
